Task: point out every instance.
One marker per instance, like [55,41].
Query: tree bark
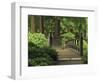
[32,24]
[42,24]
[57,27]
[81,44]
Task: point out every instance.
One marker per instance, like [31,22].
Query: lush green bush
[41,56]
[37,39]
[38,51]
[51,52]
[40,61]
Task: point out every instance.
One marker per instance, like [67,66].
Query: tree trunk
[42,24]
[81,44]
[50,39]
[56,34]
[57,27]
[32,24]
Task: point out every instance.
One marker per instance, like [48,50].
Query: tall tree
[57,27]
[32,24]
[42,24]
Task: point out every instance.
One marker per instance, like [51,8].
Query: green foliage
[39,61]
[37,39]
[49,25]
[76,24]
[85,52]
[85,45]
[41,56]
[52,52]
[68,36]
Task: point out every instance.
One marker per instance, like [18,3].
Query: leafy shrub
[39,61]
[37,39]
[85,45]
[52,53]
[38,51]
[41,56]
[85,52]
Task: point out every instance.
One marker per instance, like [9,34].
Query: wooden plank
[70,59]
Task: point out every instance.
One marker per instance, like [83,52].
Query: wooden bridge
[68,56]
